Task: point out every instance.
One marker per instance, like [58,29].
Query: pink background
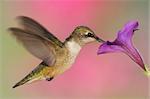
[109,76]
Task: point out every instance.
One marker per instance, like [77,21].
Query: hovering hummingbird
[56,56]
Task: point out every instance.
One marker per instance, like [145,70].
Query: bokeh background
[108,76]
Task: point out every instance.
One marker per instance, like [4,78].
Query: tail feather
[23,81]
[29,78]
[36,74]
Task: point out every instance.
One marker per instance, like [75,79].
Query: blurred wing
[35,44]
[35,28]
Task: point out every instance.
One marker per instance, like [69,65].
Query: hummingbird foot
[49,79]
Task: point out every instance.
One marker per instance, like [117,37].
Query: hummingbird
[56,56]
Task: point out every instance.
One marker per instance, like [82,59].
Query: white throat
[73,47]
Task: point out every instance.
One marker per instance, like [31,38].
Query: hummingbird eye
[89,35]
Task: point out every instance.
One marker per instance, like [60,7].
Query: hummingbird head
[84,35]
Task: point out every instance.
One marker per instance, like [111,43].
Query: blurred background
[108,76]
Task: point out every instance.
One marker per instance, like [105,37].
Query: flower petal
[127,32]
[109,47]
[123,43]
[134,54]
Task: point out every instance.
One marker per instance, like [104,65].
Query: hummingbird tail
[36,74]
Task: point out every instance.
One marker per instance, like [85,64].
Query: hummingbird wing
[37,40]
[34,27]
[36,45]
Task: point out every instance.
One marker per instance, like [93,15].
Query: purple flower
[123,43]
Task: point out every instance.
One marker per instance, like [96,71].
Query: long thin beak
[98,39]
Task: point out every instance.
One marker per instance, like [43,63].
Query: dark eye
[90,35]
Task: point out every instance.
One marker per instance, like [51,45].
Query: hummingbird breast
[67,57]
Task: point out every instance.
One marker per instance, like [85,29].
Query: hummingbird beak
[98,39]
